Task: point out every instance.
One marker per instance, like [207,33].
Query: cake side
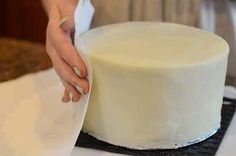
[165,108]
[147,105]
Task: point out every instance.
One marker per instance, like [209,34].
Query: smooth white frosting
[155,85]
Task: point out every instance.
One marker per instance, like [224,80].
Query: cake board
[207,147]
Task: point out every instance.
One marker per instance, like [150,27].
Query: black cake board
[207,147]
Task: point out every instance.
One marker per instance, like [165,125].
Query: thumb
[67,23]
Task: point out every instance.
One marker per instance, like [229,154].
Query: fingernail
[77,71]
[63,20]
[70,95]
[80,90]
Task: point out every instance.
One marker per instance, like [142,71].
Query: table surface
[20,57]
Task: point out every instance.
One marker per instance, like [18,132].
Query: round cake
[156,85]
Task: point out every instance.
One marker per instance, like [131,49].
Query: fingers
[65,72]
[66,61]
[66,97]
[67,51]
[67,75]
[62,43]
[75,96]
[67,9]
[67,23]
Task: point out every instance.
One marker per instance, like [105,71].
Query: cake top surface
[153,44]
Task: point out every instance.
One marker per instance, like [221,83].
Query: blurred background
[23,24]
[23,19]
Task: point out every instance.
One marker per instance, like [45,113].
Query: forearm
[48,4]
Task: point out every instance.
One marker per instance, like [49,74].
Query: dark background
[23,19]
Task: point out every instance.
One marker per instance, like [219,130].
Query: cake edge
[161,146]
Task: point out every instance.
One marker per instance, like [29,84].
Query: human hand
[65,59]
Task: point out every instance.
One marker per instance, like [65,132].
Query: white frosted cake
[156,85]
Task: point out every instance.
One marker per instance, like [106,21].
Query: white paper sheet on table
[33,120]
[23,119]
